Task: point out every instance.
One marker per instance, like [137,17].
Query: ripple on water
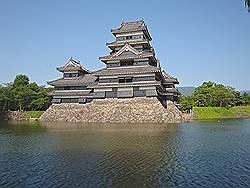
[190,155]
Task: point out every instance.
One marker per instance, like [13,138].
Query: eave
[114,44]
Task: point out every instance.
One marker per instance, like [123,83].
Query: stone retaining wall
[133,110]
[12,115]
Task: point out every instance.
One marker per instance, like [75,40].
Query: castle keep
[132,70]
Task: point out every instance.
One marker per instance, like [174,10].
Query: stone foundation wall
[12,115]
[133,110]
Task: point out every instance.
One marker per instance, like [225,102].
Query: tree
[22,95]
[204,94]
[7,99]
[210,94]
[186,103]
[245,98]
[40,103]
[247,4]
[21,80]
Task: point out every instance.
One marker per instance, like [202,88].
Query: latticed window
[121,80]
[128,79]
[127,63]
[129,37]
[70,100]
[68,75]
[125,79]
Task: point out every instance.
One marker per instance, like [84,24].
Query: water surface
[198,154]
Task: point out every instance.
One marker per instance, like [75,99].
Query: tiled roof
[132,26]
[87,79]
[70,93]
[73,65]
[127,70]
[121,43]
[134,84]
[170,90]
[168,78]
[127,56]
[63,69]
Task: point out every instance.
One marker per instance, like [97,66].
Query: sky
[195,40]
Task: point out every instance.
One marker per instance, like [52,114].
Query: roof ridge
[75,64]
[133,21]
[74,60]
[126,47]
[127,23]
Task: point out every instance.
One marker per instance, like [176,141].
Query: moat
[198,154]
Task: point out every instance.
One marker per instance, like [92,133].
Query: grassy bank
[221,112]
[32,114]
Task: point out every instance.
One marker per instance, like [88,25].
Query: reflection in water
[200,154]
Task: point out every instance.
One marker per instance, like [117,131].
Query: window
[138,37]
[168,85]
[113,65]
[136,88]
[75,87]
[127,63]
[68,75]
[153,64]
[121,80]
[70,100]
[140,49]
[129,37]
[128,79]
[120,38]
[125,79]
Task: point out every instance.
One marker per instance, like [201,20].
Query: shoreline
[113,110]
[61,121]
[206,113]
[199,114]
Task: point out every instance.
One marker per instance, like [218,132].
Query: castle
[132,70]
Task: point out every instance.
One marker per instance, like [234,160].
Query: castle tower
[73,86]
[132,69]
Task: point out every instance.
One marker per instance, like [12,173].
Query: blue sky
[195,40]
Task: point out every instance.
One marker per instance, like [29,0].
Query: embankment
[133,110]
[201,113]
[20,115]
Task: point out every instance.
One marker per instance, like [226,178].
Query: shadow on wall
[11,115]
[3,116]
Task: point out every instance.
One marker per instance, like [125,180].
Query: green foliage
[33,114]
[245,97]
[7,99]
[21,80]
[40,103]
[247,4]
[221,112]
[210,94]
[22,95]
[186,103]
